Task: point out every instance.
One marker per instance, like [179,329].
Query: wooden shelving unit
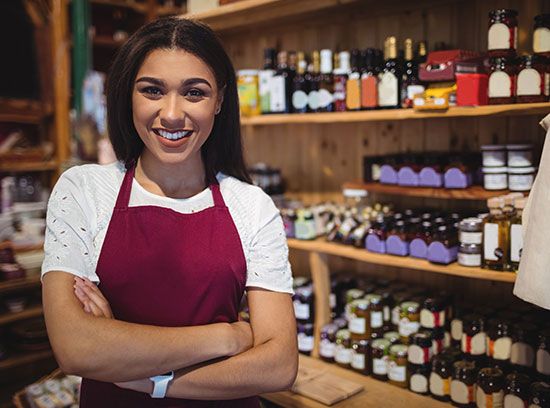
[376,394]
[29,282]
[25,358]
[323,247]
[397,115]
[29,166]
[474,193]
[30,312]
[24,111]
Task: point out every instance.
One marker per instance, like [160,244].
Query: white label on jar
[479,344]
[416,355]
[502,348]
[388,94]
[327,348]
[376,320]
[358,361]
[493,158]
[456,329]
[358,325]
[499,37]
[467,237]
[546,85]
[380,366]
[419,383]
[301,310]
[495,181]
[469,259]
[522,354]
[406,327]
[529,82]
[428,319]
[521,182]
[460,392]
[278,94]
[490,242]
[437,385]
[299,100]
[305,343]
[264,90]
[395,315]
[543,362]
[325,98]
[513,401]
[332,301]
[313,100]
[500,85]
[396,372]
[342,355]
[516,242]
[497,399]
[522,158]
[541,40]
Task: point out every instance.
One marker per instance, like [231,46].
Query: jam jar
[380,357]
[387,305]
[543,355]
[539,396]
[399,297]
[499,342]
[440,339]
[541,35]
[393,337]
[470,231]
[457,326]
[303,300]
[502,39]
[469,255]
[376,312]
[474,341]
[440,377]
[420,348]
[432,314]
[532,82]
[359,317]
[502,81]
[360,356]
[327,343]
[463,384]
[418,378]
[305,338]
[342,354]
[522,354]
[516,390]
[410,320]
[490,388]
[397,367]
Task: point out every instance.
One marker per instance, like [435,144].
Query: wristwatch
[160,384]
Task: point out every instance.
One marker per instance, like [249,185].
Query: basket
[20,397]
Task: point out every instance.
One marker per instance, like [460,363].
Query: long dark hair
[222,151]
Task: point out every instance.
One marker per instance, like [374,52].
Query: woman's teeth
[173,136]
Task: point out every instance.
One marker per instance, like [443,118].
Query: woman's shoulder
[94,175]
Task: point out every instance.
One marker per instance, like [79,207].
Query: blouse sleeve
[268,265]
[69,219]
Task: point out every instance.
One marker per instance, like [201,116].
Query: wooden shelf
[24,358]
[345,251]
[248,13]
[471,193]
[30,312]
[23,166]
[23,111]
[17,284]
[375,394]
[138,7]
[397,114]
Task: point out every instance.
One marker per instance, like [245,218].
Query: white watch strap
[160,385]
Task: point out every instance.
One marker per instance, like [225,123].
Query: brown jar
[502,39]
[541,35]
[516,390]
[420,348]
[410,320]
[360,356]
[418,377]
[380,359]
[532,82]
[499,341]
[522,354]
[474,341]
[490,388]
[342,354]
[397,367]
[432,314]
[463,384]
[539,396]
[359,316]
[440,377]
[376,313]
[502,81]
[327,344]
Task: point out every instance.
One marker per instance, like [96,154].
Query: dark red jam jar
[502,38]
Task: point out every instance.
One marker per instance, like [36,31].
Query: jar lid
[360,304]
[503,13]
[470,248]
[421,339]
[441,361]
[247,72]
[521,170]
[392,336]
[410,306]
[524,331]
[474,320]
[495,170]
[340,322]
[464,367]
[544,338]
[519,147]
[490,148]
[470,224]
[374,298]
[434,304]
[501,325]
[542,18]
[493,373]
[518,382]
[329,329]
[399,350]
[354,293]
[381,344]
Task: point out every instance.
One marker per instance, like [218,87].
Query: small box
[472,89]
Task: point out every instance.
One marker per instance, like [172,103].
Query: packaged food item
[249,98]
[463,384]
[418,378]
[490,388]
[327,344]
[397,368]
[516,390]
[360,356]
[502,81]
[541,35]
[493,155]
[503,33]
[440,377]
[521,178]
[380,359]
[520,155]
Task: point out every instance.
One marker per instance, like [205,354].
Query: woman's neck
[180,180]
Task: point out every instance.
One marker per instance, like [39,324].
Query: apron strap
[125,189]
[217,195]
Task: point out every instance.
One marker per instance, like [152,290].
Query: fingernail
[79,292]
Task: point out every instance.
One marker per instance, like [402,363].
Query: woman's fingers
[87,290]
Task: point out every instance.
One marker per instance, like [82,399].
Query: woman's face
[174,103]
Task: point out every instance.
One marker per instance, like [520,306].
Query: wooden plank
[28,313]
[454,269]
[24,359]
[539,109]
[23,111]
[29,166]
[16,284]
[320,276]
[375,395]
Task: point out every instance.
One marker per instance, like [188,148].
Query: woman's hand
[91,298]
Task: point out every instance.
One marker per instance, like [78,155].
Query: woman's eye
[152,90]
[195,93]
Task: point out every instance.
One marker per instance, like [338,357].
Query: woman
[173,233]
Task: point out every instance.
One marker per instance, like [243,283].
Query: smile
[173,135]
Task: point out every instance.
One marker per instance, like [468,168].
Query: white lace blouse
[82,202]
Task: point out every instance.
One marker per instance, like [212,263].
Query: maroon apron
[163,268]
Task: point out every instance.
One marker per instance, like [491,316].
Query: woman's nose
[172,112]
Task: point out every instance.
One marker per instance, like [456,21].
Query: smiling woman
[147,259]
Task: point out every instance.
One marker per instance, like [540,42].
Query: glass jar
[532,82]
[457,326]
[495,178]
[360,356]
[399,297]
[304,227]
[502,39]
[499,342]
[493,156]
[418,377]
[470,231]
[303,301]
[393,337]
[539,395]
[342,354]
[420,348]
[397,367]
[463,384]
[521,179]
[327,343]
[376,313]
[358,326]
[380,357]
[474,341]
[520,155]
[469,255]
[516,390]
[305,338]
[543,354]
[502,81]
[541,35]
[409,322]
[249,97]
[432,314]
[439,339]
[387,305]
[440,377]
[522,353]
[490,387]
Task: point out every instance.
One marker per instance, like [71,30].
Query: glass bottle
[516,235]
[369,80]
[389,85]
[264,79]
[300,86]
[326,83]
[496,236]
[314,75]
[353,84]
[340,78]
[280,85]
[422,52]
[411,85]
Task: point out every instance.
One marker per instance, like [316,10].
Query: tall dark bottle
[300,86]
[422,52]
[264,79]
[389,85]
[326,83]
[340,79]
[280,85]
[369,80]
[411,85]
[353,85]
[314,77]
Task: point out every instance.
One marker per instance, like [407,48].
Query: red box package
[471,89]
[440,65]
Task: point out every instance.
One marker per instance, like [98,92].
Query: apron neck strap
[124,193]
[217,195]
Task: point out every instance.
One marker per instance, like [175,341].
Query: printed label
[530,82]
[299,100]
[461,393]
[305,343]
[499,349]
[495,181]
[395,315]
[543,362]
[358,325]
[342,355]
[353,92]
[327,348]
[456,329]
[499,37]
[431,320]
[277,87]
[325,98]
[500,85]
[490,242]
[469,259]
[305,229]
[438,385]
[513,401]
[479,344]
[380,366]
[358,361]
[264,81]
[313,100]
[541,40]
[521,182]
[369,91]
[418,355]
[494,400]
[301,310]
[406,327]
[522,354]
[397,373]
[419,384]
[388,92]
[387,313]
[516,242]
[413,90]
[376,320]
[470,237]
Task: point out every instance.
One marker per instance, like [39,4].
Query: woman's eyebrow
[193,81]
[155,81]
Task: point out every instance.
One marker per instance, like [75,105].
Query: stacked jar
[303,301]
[470,236]
[508,167]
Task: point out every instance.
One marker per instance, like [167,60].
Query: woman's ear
[219,102]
